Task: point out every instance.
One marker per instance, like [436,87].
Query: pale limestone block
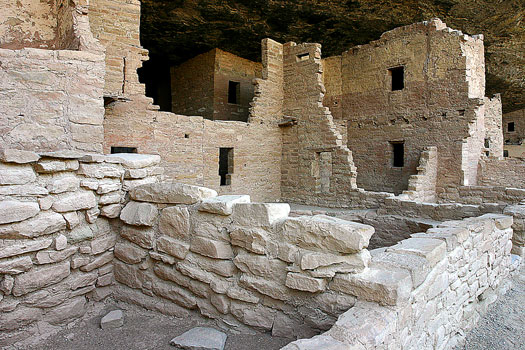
[173,247]
[255,316]
[75,201]
[102,244]
[225,268]
[99,261]
[63,154]
[134,160]
[110,198]
[60,242]
[201,338]
[167,259]
[13,211]
[172,292]
[251,239]
[43,224]
[111,211]
[136,173]
[18,156]
[241,294]
[16,266]
[305,283]
[8,249]
[39,278]
[385,286]
[260,265]
[92,215]
[171,193]
[221,303]
[418,266]
[90,184]
[140,236]
[129,185]
[46,202]
[29,190]
[211,248]
[100,170]
[6,285]
[433,250]
[54,166]
[313,260]
[502,221]
[129,253]
[326,233]
[79,234]
[53,256]
[222,205]
[259,214]
[266,287]
[318,342]
[108,186]
[64,184]
[139,214]
[113,319]
[11,174]
[80,280]
[72,219]
[334,303]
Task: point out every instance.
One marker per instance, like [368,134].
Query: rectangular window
[487,143]
[234,92]
[505,153]
[226,165]
[510,127]
[397,76]
[398,154]
[303,57]
[123,150]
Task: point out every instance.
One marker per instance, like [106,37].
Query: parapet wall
[508,172]
[57,232]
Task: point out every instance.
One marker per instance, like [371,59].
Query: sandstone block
[113,319]
[259,214]
[80,234]
[251,239]
[173,247]
[109,198]
[72,219]
[99,261]
[318,342]
[60,242]
[67,311]
[195,272]
[64,184]
[80,280]
[169,273]
[140,236]
[314,260]
[75,201]
[107,187]
[42,224]
[18,318]
[39,278]
[8,249]
[171,193]
[139,214]
[111,211]
[266,287]
[255,316]
[28,190]
[126,274]
[174,293]
[305,283]
[134,160]
[18,156]
[11,174]
[418,266]
[433,250]
[13,211]
[100,170]
[54,166]
[225,268]
[260,265]
[53,256]
[129,185]
[102,244]
[201,338]
[241,294]
[175,222]
[16,266]
[211,248]
[222,205]
[6,285]
[326,233]
[92,215]
[167,259]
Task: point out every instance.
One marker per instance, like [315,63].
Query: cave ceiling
[176,30]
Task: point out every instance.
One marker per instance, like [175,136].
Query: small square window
[398,154]
[234,92]
[510,127]
[397,76]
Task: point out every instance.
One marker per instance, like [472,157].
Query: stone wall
[493,126]
[57,232]
[507,172]
[422,186]
[518,118]
[51,100]
[424,292]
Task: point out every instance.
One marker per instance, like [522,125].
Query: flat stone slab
[200,338]
[113,319]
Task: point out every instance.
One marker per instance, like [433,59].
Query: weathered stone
[7,249]
[107,187]
[67,311]
[305,283]
[100,170]
[13,211]
[99,261]
[259,265]
[133,160]
[18,318]
[173,247]
[139,214]
[53,166]
[53,256]
[324,342]
[171,193]
[222,205]
[11,174]
[18,156]
[90,184]
[113,319]
[75,201]
[169,273]
[358,262]
[195,272]
[140,236]
[175,222]
[221,303]
[80,234]
[251,239]
[64,184]
[105,280]
[80,280]
[43,224]
[167,259]
[29,190]
[255,316]
[72,219]
[39,278]
[60,242]
[92,215]
[433,250]
[174,293]
[326,233]
[241,294]
[211,248]
[266,287]
[224,268]
[201,338]
[129,253]
[101,244]
[16,266]
[259,214]
[418,266]
[6,285]
[111,211]
[110,198]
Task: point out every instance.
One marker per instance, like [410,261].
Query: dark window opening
[487,143]
[510,127]
[397,75]
[226,165]
[303,57]
[156,75]
[398,154]
[186,136]
[123,150]
[505,153]
[234,92]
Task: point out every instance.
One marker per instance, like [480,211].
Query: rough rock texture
[193,27]
[201,338]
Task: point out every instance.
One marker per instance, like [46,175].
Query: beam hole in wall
[398,153]
[186,136]
[234,92]
[303,57]
[397,75]
[119,149]
[510,127]
[226,165]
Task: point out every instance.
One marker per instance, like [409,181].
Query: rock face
[338,26]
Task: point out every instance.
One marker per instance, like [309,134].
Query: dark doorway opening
[226,165]
[398,154]
[234,92]
[398,78]
[156,75]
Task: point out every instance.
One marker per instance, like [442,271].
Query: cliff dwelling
[368,198]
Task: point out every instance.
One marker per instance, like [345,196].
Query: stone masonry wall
[518,118]
[493,126]
[508,172]
[424,292]
[422,186]
[57,233]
